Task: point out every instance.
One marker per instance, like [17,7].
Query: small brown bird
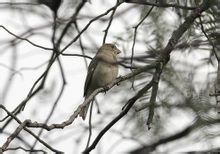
[103,69]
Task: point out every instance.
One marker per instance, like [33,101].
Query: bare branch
[23,126]
[90,22]
[24,39]
[129,104]
[110,22]
[143,2]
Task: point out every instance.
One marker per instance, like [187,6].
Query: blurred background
[186,115]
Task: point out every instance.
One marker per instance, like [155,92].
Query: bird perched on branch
[102,70]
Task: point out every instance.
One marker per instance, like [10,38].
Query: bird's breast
[105,73]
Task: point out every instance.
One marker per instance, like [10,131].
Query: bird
[102,70]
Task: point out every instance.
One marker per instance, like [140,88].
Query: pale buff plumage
[103,69]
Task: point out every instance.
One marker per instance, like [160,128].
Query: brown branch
[82,46]
[182,29]
[21,139]
[26,122]
[186,131]
[76,55]
[217,85]
[9,82]
[210,41]
[143,2]
[90,125]
[26,150]
[135,32]
[85,28]
[14,3]
[129,104]
[72,20]
[110,21]
[13,135]
[24,39]
[152,147]
[156,79]
[134,39]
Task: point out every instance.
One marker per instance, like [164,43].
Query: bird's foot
[120,79]
[105,89]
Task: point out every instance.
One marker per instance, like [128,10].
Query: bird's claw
[119,78]
[105,89]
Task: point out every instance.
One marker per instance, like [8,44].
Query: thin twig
[134,39]
[85,28]
[135,32]
[90,124]
[26,150]
[24,39]
[81,45]
[210,41]
[14,3]
[72,20]
[76,55]
[110,22]
[142,2]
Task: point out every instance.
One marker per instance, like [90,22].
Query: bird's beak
[118,51]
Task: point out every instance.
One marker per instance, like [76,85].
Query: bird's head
[108,47]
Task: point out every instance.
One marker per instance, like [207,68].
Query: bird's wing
[91,69]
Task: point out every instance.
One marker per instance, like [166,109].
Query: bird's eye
[112,46]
